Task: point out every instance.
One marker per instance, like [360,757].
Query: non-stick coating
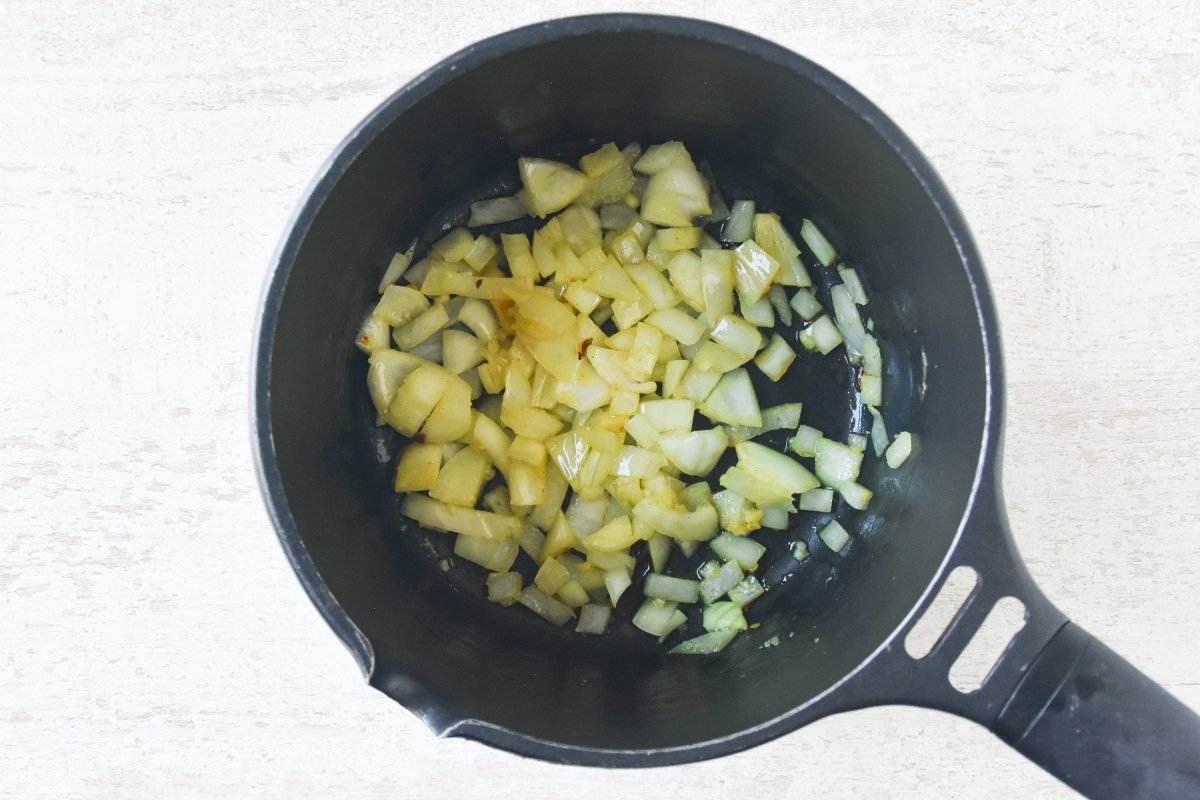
[773,127]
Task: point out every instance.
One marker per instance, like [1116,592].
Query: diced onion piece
[775,517]
[613,537]
[717,283]
[495,211]
[637,462]
[856,495]
[677,324]
[694,452]
[551,576]
[616,581]
[834,536]
[418,468]
[759,313]
[845,313]
[372,335]
[854,285]
[857,441]
[400,305]
[775,359]
[455,245]
[785,415]
[774,238]
[817,242]
[806,304]
[817,500]
[399,263]
[496,555]
[724,616]
[741,549]
[549,185]
[545,606]
[822,334]
[430,513]
[461,351]
[752,488]
[658,618]
[879,434]
[872,357]
[559,539]
[462,477]
[747,591]
[740,224]
[836,463]
[772,467]
[665,587]
[737,515]
[593,619]
[479,317]
[659,547]
[481,254]
[675,194]
[800,551]
[754,270]
[719,582]
[900,450]
[424,325]
[738,335]
[386,371]
[699,525]
[733,400]
[669,415]
[503,587]
[779,301]
[870,389]
[705,644]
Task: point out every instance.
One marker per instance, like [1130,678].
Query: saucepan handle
[1056,695]
[1094,721]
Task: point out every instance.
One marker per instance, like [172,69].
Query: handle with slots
[1056,694]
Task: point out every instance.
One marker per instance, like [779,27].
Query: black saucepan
[780,129]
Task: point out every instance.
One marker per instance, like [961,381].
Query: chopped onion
[817,500]
[900,450]
[848,322]
[399,263]
[491,357]
[817,242]
[721,581]
[741,549]
[747,591]
[593,619]
[545,606]
[775,359]
[779,301]
[615,583]
[834,536]
[664,587]
[724,616]
[658,618]
[775,517]
[853,285]
[806,304]
[706,643]
[740,223]
[879,435]
[503,587]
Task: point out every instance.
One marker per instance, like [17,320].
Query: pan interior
[770,132]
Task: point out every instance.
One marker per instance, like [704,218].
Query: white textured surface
[153,641]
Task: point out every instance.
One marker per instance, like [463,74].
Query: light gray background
[153,641]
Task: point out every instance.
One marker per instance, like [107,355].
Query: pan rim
[351,147]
